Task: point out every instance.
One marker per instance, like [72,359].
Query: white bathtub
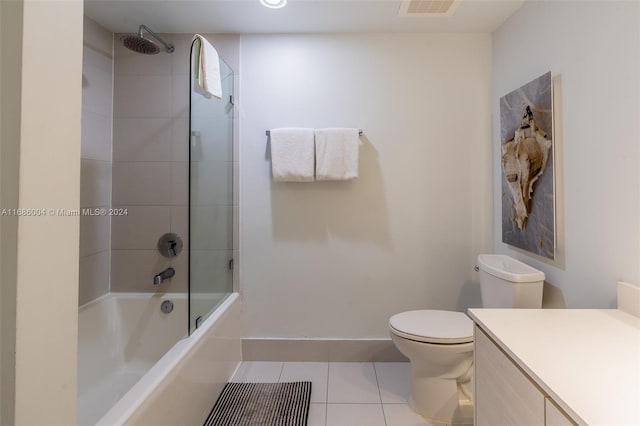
[132,371]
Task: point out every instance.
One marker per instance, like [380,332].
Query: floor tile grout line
[375,372]
[356,403]
[281,370]
[326,404]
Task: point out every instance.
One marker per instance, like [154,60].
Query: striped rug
[262,404]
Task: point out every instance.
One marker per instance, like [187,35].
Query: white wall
[47,265]
[593,51]
[337,259]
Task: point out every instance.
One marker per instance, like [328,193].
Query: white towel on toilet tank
[209,68]
[337,154]
[292,154]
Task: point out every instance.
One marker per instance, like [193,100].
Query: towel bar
[268,132]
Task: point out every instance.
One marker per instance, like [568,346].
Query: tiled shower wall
[150,160]
[150,153]
[95,187]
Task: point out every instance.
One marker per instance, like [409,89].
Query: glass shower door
[210,195]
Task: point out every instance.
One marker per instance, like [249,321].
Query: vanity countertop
[586,360]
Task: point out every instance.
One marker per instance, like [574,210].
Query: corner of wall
[11,13]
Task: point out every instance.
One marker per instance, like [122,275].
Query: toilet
[439,344]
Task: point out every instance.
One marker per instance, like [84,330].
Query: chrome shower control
[170,245]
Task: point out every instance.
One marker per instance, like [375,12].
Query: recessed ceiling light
[274,4]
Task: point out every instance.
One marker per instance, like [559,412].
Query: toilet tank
[508,283]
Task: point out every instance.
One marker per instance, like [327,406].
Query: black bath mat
[262,404]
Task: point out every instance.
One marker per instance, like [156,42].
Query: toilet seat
[433,326]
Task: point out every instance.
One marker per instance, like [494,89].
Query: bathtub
[132,371]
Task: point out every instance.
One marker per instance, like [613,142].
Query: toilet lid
[431,326]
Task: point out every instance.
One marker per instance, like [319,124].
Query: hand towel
[337,154]
[209,68]
[292,155]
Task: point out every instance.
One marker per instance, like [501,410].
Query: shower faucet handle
[170,245]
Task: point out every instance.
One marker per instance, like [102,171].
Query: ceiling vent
[427,7]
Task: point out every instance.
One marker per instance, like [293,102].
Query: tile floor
[344,393]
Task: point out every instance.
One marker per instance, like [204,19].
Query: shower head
[139,44]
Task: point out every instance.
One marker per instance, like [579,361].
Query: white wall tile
[133,271]
[97,58]
[181,56]
[97,37]
[95,168]
[96,136]
[95,183]
[142,139]
[141,183]
[181,140]
[180,92]
[97,94]
[180,183]
[94,276]
[141,228]
[95,234]
[180,281]
[142,96]
[180,222]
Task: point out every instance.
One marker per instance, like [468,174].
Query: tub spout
[166,274]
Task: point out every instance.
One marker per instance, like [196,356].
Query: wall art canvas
[526,137]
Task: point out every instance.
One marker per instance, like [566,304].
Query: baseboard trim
[318,350]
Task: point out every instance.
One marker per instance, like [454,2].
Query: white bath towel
[292,155]
[209,68]
[337,154]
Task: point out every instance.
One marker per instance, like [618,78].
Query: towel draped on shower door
[208,68]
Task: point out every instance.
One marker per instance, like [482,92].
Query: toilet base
[440,401]
[440,380]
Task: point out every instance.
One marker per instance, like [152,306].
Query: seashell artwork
[528,216]
[523,160]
